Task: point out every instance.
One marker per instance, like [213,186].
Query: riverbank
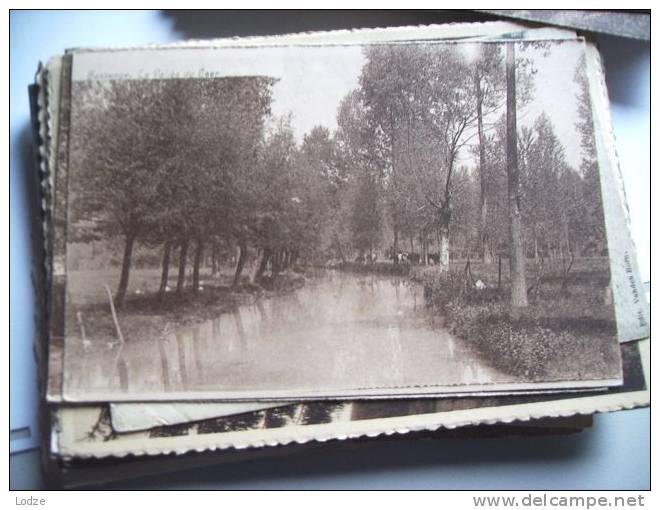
[360,331]
[565,333]
[380,268]
[146,314]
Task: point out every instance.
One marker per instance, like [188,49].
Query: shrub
[554,336]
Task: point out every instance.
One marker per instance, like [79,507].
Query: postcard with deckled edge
[87,431]
[50,91]
[303,232]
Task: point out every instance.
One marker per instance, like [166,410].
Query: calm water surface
[340,332]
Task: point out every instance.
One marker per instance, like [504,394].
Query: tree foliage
[416,164]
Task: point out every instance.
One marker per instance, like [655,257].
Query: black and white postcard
[333,221]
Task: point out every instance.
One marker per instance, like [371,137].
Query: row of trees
[419,110]
[202,166]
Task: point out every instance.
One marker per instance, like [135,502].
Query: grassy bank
[380,268]
[564,333]
[147,315]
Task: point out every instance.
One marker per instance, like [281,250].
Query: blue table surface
[614,454]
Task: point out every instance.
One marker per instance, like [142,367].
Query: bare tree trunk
[443,256]
[183,260]
[240,263]
[198,259]
[276,263]
[395,245]
[214,259]
[125,269]
[425,249]
[165,274]
[564,281]
[567,235]
[486,255]
[517,256]
[468,279]
[340,252]
[395,214]
[263,264]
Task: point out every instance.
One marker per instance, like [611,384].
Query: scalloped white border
[49,130]
[74,423]
[597,85]
[472,30]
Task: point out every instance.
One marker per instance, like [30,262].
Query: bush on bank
[383,268]
[554,336]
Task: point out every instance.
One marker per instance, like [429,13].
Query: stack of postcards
[326,237]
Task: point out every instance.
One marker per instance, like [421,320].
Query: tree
[549,190]
[497,221]
[455,116]
[118,144]
[167,162]
[358,169]
[365,223]
[595,239]
[271,201]
[225,139]
[323,173]
[419,103]
[488,91]
[517,251]
[388,86]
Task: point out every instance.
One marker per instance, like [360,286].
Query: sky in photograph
[312,83]
[312,80]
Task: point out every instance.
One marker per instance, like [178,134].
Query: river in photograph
[340,332]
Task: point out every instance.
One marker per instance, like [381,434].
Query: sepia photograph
[414,219]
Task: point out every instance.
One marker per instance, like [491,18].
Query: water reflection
[164,365]
[122,370]
[340,332]
[181,356]
[199,367]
